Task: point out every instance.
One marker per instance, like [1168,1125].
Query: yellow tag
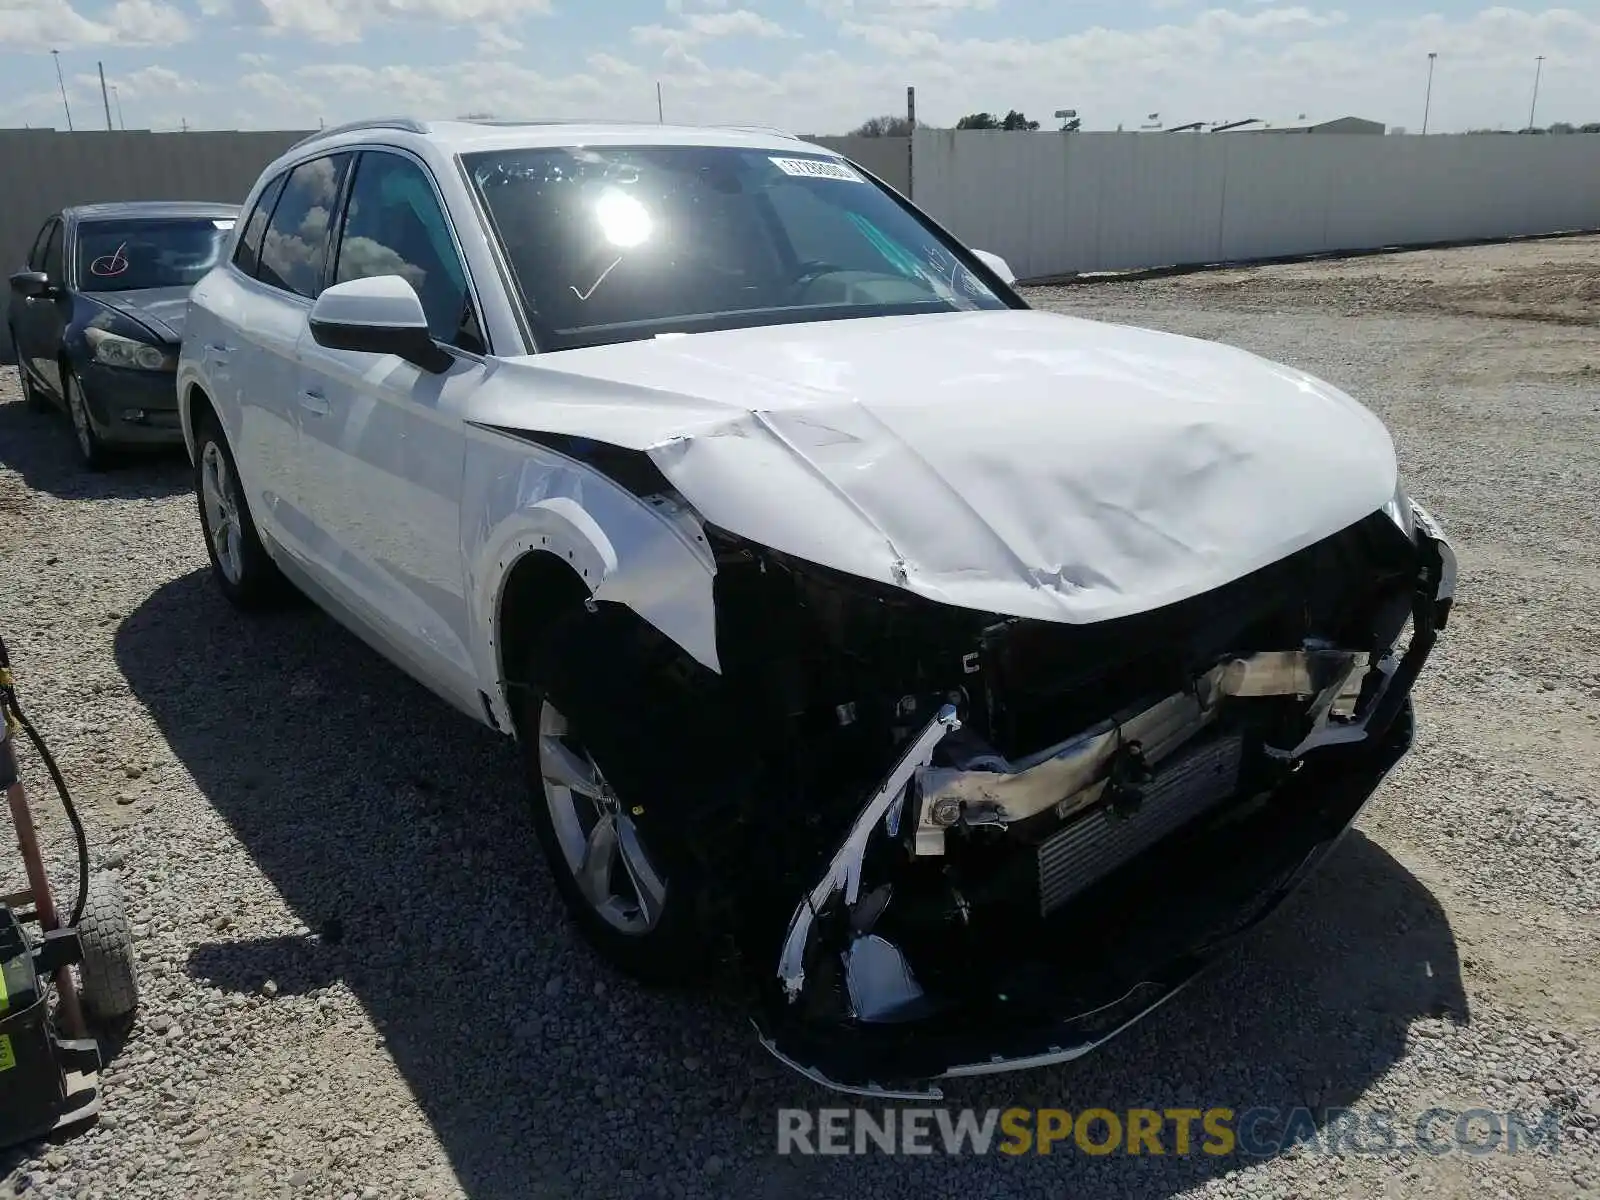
[5,1000]
[8,1057]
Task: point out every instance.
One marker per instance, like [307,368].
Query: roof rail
[513,122]
[761,129]
[406,123]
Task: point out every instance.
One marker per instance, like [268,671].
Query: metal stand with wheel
[49,1063]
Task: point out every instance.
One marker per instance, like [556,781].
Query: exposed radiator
[1099,842]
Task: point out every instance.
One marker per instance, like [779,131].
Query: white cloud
[920,12]
[345,20]
[251,58]
[696,28]
[141,84]
[57,25]
[493,40]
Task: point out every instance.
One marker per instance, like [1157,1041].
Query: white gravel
[357,983]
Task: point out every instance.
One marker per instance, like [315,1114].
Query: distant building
[1336,125]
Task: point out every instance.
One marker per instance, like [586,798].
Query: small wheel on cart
[109,986]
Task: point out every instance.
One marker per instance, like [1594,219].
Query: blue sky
[816,66]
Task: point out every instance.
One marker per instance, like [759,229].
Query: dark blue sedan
[97,315]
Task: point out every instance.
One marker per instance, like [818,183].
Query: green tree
[885,127]
[1012,121]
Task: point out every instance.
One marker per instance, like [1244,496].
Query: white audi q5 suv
[956,676]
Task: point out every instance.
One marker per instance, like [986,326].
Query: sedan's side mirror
[377,315]
[33,284]
[996,264]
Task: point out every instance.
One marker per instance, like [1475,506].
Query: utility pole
[63,84]
[911,141]
[661,118]
[1427,103]
[105,97]
[1538,69]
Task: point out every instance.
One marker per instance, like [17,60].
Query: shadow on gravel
[396,831]
[39,447]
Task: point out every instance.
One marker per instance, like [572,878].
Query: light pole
[1427,103]
[63,84]
[1538,69]
[116,98]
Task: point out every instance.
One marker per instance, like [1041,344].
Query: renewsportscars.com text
[1219,1132]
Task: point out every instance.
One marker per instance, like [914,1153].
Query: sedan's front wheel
[240,564]
[94,452]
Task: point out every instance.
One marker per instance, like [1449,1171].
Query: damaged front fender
[648,553]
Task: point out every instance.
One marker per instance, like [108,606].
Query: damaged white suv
[960,677]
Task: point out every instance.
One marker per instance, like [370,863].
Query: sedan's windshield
[616,244]
[123,256]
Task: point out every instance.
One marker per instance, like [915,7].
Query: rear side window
[248,252]
[295,245]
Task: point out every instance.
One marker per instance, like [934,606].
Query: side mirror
[997,264]
[32,284]
[378,315]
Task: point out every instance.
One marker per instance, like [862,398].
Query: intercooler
[1106,837]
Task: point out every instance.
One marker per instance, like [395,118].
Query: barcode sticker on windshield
[817,168]
[223,224]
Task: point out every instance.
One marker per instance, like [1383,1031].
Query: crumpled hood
[1017,462]
[161,309]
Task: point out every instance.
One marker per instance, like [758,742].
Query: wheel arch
[194,404]
[534,517]
[539,588]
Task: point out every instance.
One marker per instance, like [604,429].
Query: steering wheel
[810,271]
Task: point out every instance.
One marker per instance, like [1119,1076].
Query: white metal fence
[1058,203]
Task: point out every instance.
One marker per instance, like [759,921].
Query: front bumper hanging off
[1310,812]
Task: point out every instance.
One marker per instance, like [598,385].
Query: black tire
[244,571]
[107,977]
[612,679]
[92,449]
[32,397]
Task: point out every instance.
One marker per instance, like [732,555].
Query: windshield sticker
[110,264]
[223,224]
[816,168]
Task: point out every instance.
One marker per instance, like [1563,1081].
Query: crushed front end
[996,842]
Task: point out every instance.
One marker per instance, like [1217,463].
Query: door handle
[314,402]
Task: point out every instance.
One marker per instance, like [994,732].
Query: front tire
[94,452]
[239,563]
[621,776]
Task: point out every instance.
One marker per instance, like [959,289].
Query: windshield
[122,256]
[617,244]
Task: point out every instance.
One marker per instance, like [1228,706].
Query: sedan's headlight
[114,350]
[1399,510]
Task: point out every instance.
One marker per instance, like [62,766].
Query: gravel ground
[357,983]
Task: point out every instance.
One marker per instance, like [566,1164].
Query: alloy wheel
[599,838]
[219,495]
